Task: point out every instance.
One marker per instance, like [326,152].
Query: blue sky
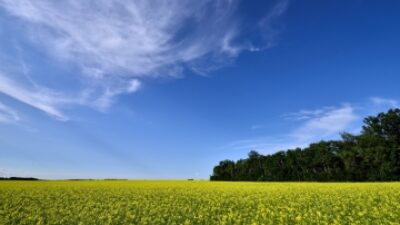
[166,89]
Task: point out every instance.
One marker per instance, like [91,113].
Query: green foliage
[374,155]
[183,202]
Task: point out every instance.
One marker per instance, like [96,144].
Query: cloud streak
[8,115]
[118,44]
[385,101]
[269,24]
[135,38]
[315,125]
[41,100]
[324,122]
[310,126]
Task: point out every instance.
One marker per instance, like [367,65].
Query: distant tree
[224,171]
[374,155]
[385,126]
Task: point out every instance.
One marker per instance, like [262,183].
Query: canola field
[198,202]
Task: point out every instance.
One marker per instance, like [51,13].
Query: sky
[165,89]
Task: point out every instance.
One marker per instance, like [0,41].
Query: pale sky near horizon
[165,89]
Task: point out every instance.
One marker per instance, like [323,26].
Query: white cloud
[52,102]
[325,122]
[385,102]
[8,115]
[117,44]
[266,145]
[136,38]
[311,126]
[269,24]
[39,99]
[307,114]
[105,100]
[314,125]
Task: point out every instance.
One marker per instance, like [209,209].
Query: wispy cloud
[44,101]
[135,38]
[310,126]
[322,123]
[51,102]
[8,115]
[118,44]
[385,102]
[307,114]
[269,24]
[266,144]
[106,99]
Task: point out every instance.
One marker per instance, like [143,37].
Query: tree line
[18,178]
[373,155]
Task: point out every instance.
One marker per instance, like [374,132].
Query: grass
[197,202]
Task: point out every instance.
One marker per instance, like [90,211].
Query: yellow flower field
[198,202]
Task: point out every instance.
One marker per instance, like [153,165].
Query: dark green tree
[374,155]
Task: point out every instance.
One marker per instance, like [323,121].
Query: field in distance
[197,202]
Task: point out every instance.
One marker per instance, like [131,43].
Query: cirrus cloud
[130,38]
[117,44]
[8,115]
[324,122]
